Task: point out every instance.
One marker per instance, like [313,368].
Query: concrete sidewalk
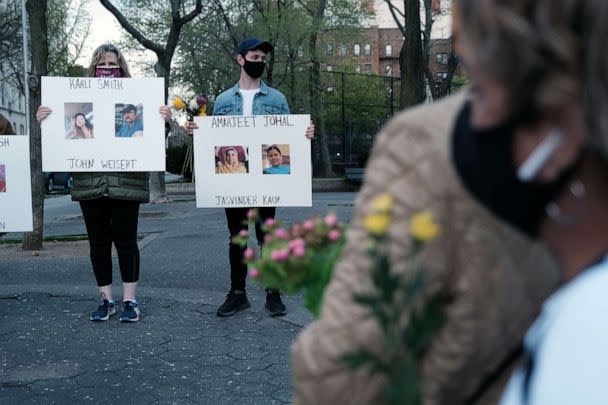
[180,352]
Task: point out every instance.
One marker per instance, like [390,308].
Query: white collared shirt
[569,346]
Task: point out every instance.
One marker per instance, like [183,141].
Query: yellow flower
[179,103]
[377,224]
[383,203]
[423,226]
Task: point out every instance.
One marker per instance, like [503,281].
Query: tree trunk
[36,11]
[324,164]
[158,189]
[411,59]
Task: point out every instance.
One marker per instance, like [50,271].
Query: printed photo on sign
[2,178]
[275,159]
[129,120]
[78,119]
[231,160]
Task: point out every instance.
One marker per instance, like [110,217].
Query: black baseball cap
[253,43]
[129,107]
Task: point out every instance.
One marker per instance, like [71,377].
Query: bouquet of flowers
[194,106]
[406,323]
[299,258]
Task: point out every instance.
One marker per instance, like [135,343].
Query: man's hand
[310,131]
[165,112]
[42,113]
[190,126]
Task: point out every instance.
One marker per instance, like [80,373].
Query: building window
[343,50]
[441,76]
[442,58]
[357,50]
[357,68]
[14,124]
[389,50]
[330,68]
[388,70]
[367,49]
[329,50]
[368,69]
[21,129]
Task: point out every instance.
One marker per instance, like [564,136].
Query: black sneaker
[130,312]
[236,300]
[104,311]
[274,305]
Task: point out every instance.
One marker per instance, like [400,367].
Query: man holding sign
[250,96]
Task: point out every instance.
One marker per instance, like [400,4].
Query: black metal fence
[353,109]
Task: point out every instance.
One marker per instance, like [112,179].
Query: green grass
[61,238]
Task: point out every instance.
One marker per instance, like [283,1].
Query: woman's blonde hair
[98,53]
[547,52]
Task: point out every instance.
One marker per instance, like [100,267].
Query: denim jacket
[267,101]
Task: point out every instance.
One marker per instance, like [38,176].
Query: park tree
[414,58]
[37,17]
[148,23]
[49,22]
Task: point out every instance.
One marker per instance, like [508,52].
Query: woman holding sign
[110,207]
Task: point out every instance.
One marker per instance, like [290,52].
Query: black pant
[109,220]
[237,218]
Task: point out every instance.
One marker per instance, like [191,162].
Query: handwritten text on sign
[252,161]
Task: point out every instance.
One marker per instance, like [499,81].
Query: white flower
[192,104]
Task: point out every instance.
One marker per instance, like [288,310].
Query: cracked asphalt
[180,352]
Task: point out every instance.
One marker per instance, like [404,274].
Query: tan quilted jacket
[495,279]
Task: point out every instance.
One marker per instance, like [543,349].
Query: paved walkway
[180,352]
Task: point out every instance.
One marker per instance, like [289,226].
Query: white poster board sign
[15,184]
[256,161]
[103,125]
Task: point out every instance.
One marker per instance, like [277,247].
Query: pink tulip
[279,255]
[244,233]
[251,215]
[334,235]
[281,233]
[249,254]
[308,225]
[299,251]
[297,243]
[254,273]
[269,222]
[331,220]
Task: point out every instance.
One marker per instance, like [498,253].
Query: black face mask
[484,162]
[254,69]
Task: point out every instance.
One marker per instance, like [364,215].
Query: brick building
[375,49]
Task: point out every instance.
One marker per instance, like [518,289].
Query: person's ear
[240,59]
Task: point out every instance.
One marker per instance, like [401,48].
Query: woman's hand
[310,131]
[165,112]
[42,113]
[190,126]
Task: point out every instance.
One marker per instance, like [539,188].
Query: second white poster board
[255,161]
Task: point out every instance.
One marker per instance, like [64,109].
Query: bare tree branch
[131,29]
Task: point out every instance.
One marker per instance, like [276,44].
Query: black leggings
[235,218]
[110,220]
